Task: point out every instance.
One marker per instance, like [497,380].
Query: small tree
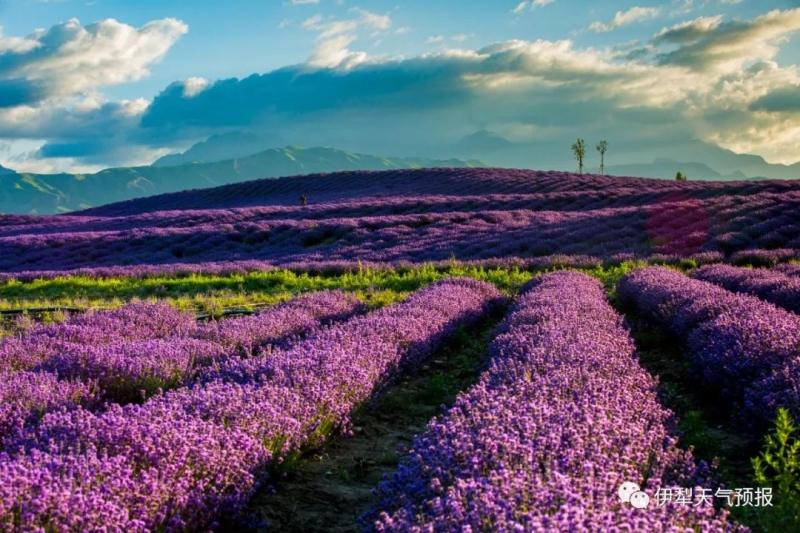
[579,149]
[303,200]
[602,147]
[680,176]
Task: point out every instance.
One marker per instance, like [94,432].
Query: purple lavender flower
[563,415]
[743,345]
[181,458]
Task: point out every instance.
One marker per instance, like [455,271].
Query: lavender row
[335,267]
[26,396]
[179,460]
[601,225]
[137,321]
[130,353]
[789,269]
[563,416]
[769,285]
[248,335]
[739,343]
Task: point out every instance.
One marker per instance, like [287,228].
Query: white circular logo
[640,500]
[626,490]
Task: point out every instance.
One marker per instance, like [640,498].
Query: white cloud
[51,81]
[709,44]
[70,58]
[193,86]
[19,45]
[443,40]
[689,30]
[623,18]
[525,5]
[304,2]
[336,35]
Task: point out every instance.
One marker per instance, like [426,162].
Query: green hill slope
[56,193]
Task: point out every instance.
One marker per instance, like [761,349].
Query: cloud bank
[708,78]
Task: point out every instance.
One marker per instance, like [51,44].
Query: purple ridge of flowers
[173,471]
[300,315]
[26,396]
[130,357]
[736,341]
[132,322]
[789,269]
[563,415]
[109,353]
[769,285]
[180,459]
[127,371]
[480,214]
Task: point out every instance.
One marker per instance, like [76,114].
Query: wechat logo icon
[630,492]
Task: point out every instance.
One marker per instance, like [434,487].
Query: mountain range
[57,193]
[693,157]
[240,156]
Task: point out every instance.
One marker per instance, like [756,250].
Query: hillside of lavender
[410,350]
[414,216]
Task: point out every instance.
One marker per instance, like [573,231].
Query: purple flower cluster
[248,335]
[415,216]
[789,269]
[180,459]
[26,396]
[128,354]
[137,321]
[563,416]
[738,342]
[127,371]
[769,285]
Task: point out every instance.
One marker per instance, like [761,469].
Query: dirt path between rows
[329,489]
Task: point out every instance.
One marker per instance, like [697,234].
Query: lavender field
[327,266]
[410,217]
[426,350]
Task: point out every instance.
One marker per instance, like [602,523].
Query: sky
[90,84]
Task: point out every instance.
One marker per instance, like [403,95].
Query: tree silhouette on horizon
[602,147]
[579,149]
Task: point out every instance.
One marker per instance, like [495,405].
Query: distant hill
[402,217]
[231,145]
[698,159]
[666,169]
[483,141]
[57,193]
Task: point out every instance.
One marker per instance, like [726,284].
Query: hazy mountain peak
[219,147]
[50,193]
[483,140]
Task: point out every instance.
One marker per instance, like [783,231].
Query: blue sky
[618,51]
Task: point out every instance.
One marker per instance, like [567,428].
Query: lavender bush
[563,415]
[769,285]
[181,458]
[26,396]
[131,353]
[736,341]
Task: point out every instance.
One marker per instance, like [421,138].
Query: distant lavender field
[413,216]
